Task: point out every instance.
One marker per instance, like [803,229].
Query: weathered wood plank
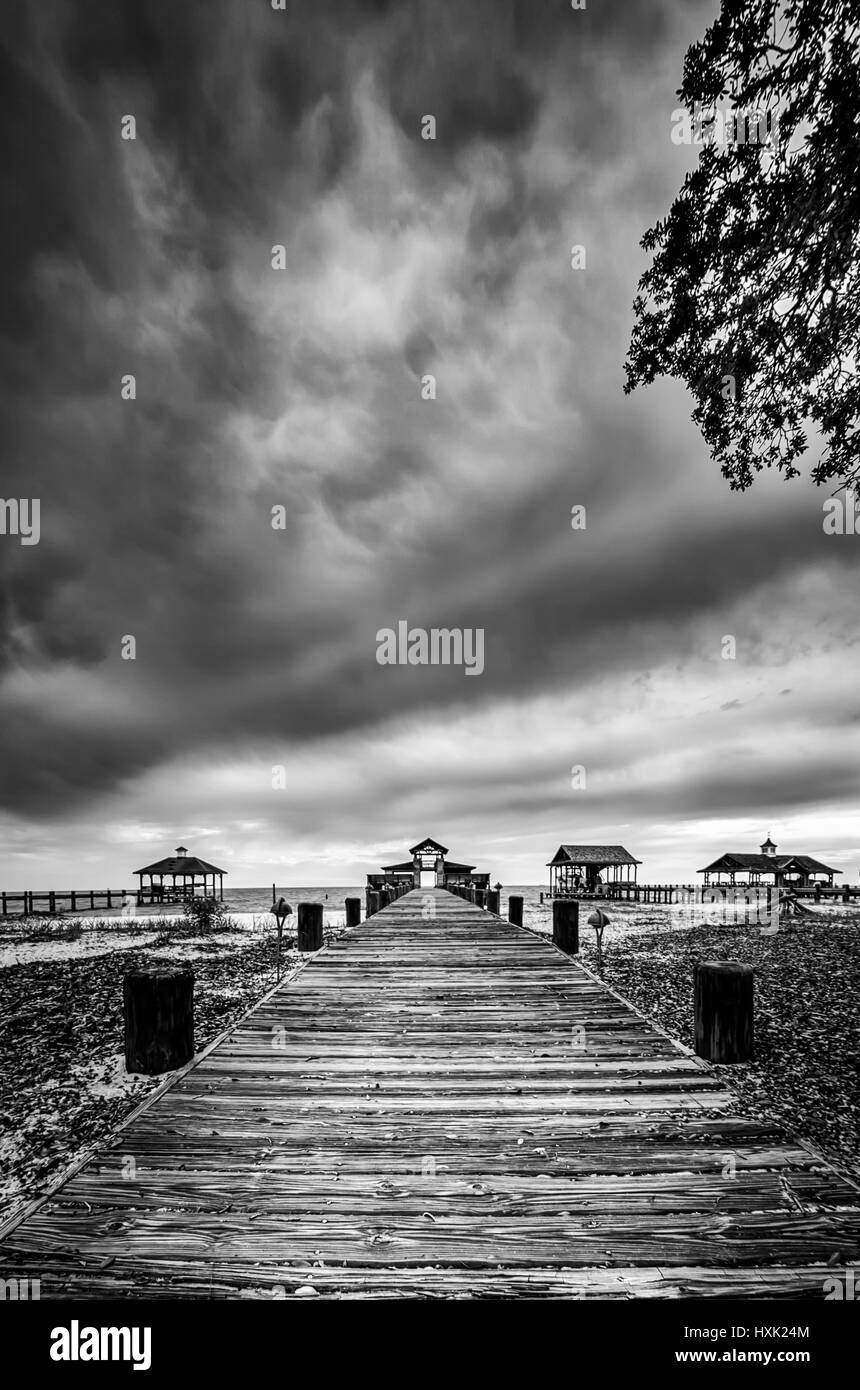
[447,1107]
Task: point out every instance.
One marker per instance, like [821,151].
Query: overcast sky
[256,387]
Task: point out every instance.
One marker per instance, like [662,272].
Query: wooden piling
[372,902]
[565,925]
[353,911]
[515,910]
[723,1010]
[310,930]
[493,900]
[480,897]
[158,1007]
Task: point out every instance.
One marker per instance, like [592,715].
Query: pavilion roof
[593,854]
[768,863]
[180,864]
[428,844]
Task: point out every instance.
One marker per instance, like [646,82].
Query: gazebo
[579,868]
[429,867]
[780,870]
[179,866]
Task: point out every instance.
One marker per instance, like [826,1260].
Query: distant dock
[691,892]
[27,904]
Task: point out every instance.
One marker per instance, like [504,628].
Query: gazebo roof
[427,845]
[767,863]
[181,864]
[593,854]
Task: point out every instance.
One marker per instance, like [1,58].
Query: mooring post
[158,1007]
[493,900]
[310,932]
[480,897]
[565,925]
[723,1010]
[515,910]
[353,911]
[372,902]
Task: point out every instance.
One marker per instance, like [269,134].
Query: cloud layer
[301,388]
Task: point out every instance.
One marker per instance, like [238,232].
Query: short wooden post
[480,897]
[515,910]
[846,894]
[372,902]
[158,1004]
[493,900]
[52,902]
[723,1010]
[818,892]
[310,931]
[353,911]
[565,925]
[92,900]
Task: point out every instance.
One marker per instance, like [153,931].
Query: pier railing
[681,892]
[78,899]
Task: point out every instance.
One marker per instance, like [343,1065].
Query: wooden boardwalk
[442,1106]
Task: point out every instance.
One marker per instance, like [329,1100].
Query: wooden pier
[57,902]
[442,1104]
[692,892]
[27,904]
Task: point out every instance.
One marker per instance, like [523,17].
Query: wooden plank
[443,1107]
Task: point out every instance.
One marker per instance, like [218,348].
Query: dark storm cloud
[405,257]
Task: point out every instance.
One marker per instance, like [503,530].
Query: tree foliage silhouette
[753,293]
